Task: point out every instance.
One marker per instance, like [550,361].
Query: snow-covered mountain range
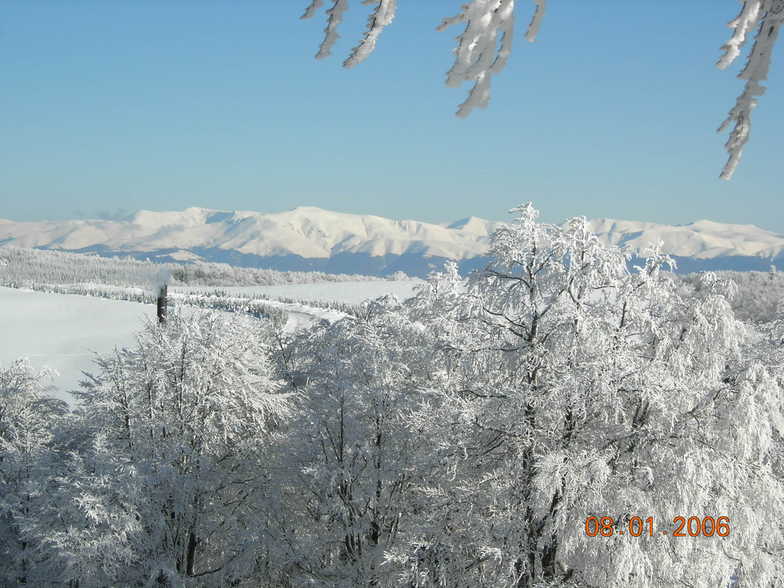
[313,238]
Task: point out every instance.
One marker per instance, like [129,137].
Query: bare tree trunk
[190,556]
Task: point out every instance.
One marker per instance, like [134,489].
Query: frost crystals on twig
[334,18]
[485,45]
[536,20]
[483,48]
[378,20]
[767,15]
[382,15]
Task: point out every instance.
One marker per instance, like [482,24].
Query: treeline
[464,438]
[136,281]
[257,306]
[759,296]
[255,303]
[756,299]
[21,267]
[252,306]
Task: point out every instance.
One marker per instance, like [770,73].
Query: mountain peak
[310,237]
[188,217]
[309,209]
[473,224]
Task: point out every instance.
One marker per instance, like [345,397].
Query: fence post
[161,303]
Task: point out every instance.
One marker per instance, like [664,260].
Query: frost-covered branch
[334,18]
[378,20]
[767,16]
[483,47]
[536,20]
[381,16]
[312,8]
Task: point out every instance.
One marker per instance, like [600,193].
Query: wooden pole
[161,303]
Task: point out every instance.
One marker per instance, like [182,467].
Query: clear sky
[119,105]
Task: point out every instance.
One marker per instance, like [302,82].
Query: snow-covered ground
[64,331]
[350,292]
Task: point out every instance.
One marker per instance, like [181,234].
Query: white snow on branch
[310,11]
[745,21]
[482,51]
[378,20]
[767,16]
[484,47]
[334,18]
[536,20]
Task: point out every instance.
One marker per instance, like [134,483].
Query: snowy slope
[313,238]
[63,331]
[305,231]
[702,239]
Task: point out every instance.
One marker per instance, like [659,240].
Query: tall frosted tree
[351,460]
[173,482]
[485,45]
[28,419]
[571,387]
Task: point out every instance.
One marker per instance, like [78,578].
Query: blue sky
[118,105]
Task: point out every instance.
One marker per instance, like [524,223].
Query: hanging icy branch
[382,15]
[378,20]
[310,11]
[484,47]
[334,18]
[536,20]
[746,20]
[767,16]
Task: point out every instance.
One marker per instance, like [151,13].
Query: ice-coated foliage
[488,24]
[27,421]
[182,423]
[353,458]
[759,294]
[485,45]
[575,388]
[381,16]
[766,16]
[458,439]
[20,267]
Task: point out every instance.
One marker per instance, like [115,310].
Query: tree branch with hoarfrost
[485,45]
[482,50]
[378,20]
[766,16]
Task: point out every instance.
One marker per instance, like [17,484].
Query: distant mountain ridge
[311,238]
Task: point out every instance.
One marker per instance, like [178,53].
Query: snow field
[64,331]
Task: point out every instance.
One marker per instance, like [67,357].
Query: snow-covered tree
[485,45]
[461,438]
[27,421]
[352,459]
[759,294]
[575,388]
[172,488]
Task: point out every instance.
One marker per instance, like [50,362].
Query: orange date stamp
[636,527]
